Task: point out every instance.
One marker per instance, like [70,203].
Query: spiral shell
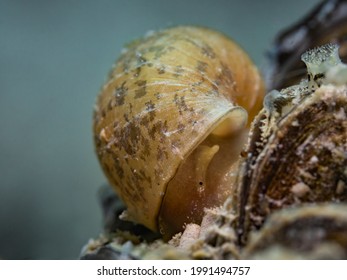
[176,102]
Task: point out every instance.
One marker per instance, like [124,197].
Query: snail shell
[170,121]
[297,150]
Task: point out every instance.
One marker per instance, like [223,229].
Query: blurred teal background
[54,56]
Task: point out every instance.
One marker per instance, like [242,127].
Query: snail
[285,193]
[170,122]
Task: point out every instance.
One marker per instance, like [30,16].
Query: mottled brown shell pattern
[165,94]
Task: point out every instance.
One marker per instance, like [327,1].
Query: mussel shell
[307,232]
[302,161]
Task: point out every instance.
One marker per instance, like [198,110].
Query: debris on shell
[300,189]
[190,234]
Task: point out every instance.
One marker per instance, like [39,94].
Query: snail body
[170,121]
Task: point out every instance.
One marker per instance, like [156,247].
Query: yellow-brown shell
[165,95]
